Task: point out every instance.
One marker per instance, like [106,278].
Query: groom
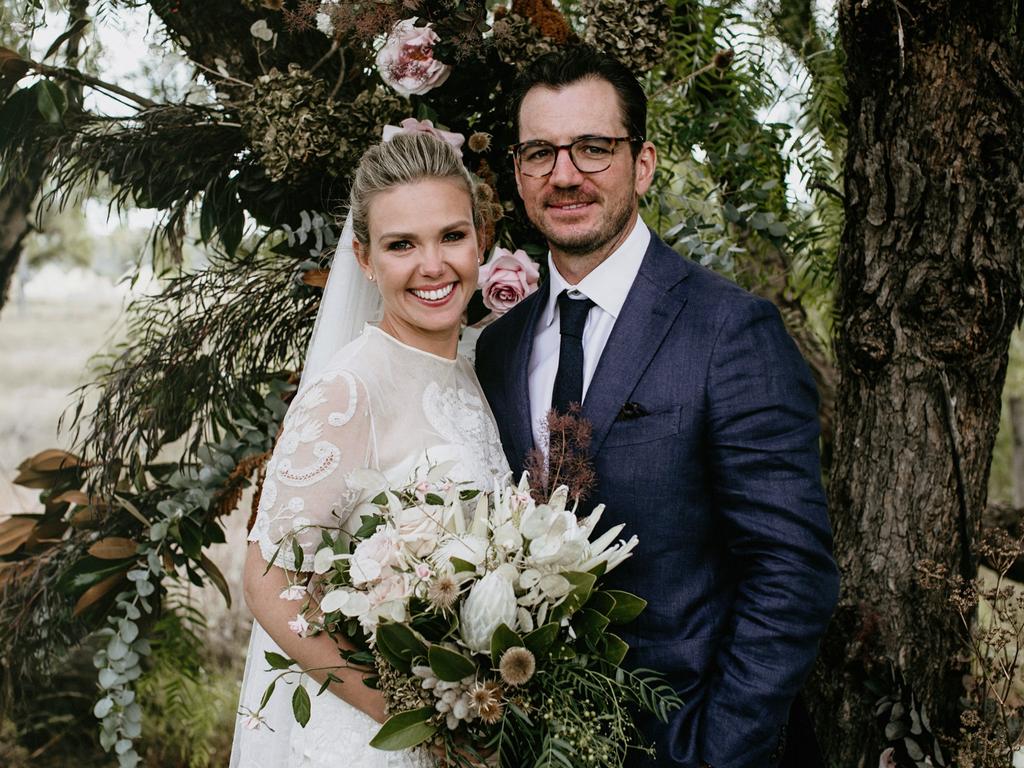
[704,422]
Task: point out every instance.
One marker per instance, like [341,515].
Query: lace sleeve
[327,434]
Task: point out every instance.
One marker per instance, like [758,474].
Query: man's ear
[644,165]
[519,179]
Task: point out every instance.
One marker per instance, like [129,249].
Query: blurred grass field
[45,352]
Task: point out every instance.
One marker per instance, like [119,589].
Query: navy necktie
[569,379]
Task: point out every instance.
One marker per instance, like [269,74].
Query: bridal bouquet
[484,618]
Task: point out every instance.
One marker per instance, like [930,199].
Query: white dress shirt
[607,286]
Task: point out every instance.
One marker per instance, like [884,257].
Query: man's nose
[565,173]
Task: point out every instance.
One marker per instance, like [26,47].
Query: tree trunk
[929,291]
[16,198]
[21,188]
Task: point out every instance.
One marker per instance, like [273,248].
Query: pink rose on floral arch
[407,63]
[508,278]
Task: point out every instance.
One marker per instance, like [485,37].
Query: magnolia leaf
[539,641]
[114,548]
[504,637]
[12,69]
[50,460]
[627,607]
[405,730]
[448,665]
[15,532]
[216,577]
[301,705]
[51,101]
[72,497]
[97,591]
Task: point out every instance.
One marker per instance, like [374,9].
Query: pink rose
[507,279]
[412,125]
[407,63]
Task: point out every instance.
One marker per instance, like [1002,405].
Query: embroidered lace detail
[308,460]
[463,420]
[329,456]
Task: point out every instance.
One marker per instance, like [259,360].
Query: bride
[395,398]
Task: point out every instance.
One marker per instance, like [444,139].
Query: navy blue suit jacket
[720,479]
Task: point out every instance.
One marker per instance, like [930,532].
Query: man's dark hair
[562,68]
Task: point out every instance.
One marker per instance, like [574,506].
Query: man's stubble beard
[587,243]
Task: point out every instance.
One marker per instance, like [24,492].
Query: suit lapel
[517,362]
[650,310]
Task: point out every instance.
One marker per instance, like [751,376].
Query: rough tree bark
[929,292]
[21,188]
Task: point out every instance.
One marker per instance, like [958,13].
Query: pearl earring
[370,278]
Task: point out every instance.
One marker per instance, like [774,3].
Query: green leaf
[399,645]
[504,637]
[449,666]
[277,661]
[17,114]
[461,565]
[601,601]
[50,101]
[539,641]
[627,607]
[297,554]
[88,571]
[370,523]
[267,694]
[589,625]
[405,730]
[583,584]
[434,500]
[615,649]
[301,705]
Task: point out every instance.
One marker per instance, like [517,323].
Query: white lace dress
[379,404]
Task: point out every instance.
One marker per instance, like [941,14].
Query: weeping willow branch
[72,74]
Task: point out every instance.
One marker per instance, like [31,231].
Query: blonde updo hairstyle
[405,159]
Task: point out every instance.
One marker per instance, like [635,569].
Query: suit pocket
[646,429]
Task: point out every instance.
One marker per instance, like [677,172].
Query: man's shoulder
[703,285]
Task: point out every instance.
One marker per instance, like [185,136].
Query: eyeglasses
[590,154]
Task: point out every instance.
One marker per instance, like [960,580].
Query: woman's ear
[363,257]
